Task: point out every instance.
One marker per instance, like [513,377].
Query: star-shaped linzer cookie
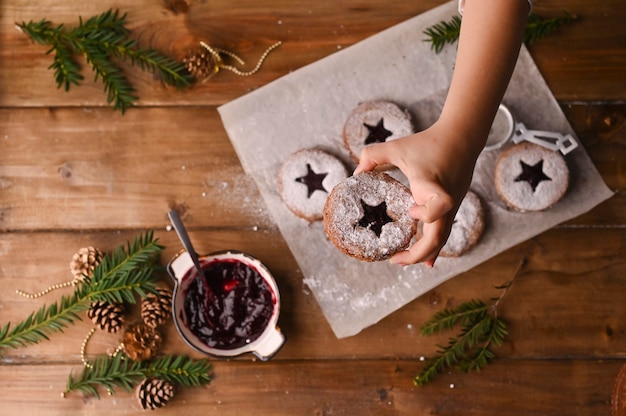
[532,174]
[377,133]
[312,180]
[374,217]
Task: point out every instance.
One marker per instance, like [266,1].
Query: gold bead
[83,348]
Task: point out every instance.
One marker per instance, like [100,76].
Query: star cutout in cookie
[532,174]
[377,134]
[374,217]
[312,180]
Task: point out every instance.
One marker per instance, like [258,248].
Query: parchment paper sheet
[307,108]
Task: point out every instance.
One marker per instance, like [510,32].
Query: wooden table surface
[74,173]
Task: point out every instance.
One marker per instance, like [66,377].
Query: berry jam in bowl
[233,309]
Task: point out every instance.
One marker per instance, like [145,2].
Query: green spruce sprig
[481,329]
[447,32]
[103,40]
[119,277]
[443,33]
[538,27]
[470,349]
[117,371]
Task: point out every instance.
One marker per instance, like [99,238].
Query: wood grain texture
[593,47]
[100,170]
[74,173]
[344,387]
[566,300]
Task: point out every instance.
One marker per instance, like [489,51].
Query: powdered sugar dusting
[344,210]
[295,194]
[467,228]
[396,120]
[240,193]
[519,194]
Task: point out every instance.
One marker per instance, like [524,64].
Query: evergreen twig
[470,350]
[119,277]
[443,33]
[101,40]
[447,32]
[117,371]
[539,27]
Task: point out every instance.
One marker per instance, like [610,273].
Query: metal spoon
[184,238]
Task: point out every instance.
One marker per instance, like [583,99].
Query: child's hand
[439,170]
[439,162]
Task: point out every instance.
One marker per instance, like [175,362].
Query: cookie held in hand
[367,216]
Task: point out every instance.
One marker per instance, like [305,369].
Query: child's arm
[439,161]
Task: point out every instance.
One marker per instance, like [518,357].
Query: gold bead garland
[83,347]
[47,290]
[144,340]
[205,66]
[83,263]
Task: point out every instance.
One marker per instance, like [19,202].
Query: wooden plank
[74,173]
[310,31]
[591,48]
[345,387]
[129,171]
[125,172]
[601,129]
[566,301]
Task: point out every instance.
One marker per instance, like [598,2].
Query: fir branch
[181,370]
[117,87]
[119,277]
[538,27]
[107,371]
[470,350]
[40,324]
[446,319]
[66,69]
[447,32]
[443,33]
[112,372]
[101,40]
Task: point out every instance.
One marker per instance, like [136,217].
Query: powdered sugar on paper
[308,107]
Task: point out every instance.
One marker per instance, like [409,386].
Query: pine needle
[119,277]
[481,329]
[538,27]
[118,371]
[447,32]
[443,33]
[103,40]
[470,349]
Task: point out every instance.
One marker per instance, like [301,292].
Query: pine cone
[141,342]
[84,262]
[154,393]
[200,63]
[156,308]
[107,316]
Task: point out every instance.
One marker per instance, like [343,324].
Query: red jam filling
[532,174]
[313,181]
[374,217]
[377,133]
[230,306]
